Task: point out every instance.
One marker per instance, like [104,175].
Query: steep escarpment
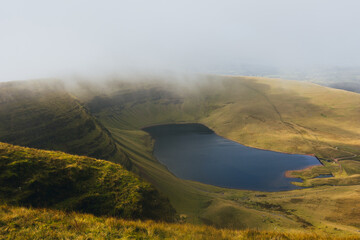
[43,115]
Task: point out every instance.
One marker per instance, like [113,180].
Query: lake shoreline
[258,148]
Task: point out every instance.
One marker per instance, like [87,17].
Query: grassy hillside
[39,178]
[273,114]
[42,114]
[23,223]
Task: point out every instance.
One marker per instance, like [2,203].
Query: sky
[40,39]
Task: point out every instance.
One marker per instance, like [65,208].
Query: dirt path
[342,158]
[291,126]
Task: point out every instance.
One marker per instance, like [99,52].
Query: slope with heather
[38,178]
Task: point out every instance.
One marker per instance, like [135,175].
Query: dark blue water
[194,152]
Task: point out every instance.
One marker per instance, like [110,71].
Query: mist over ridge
[42,39]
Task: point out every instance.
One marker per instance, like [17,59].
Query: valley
[263,113]
[172,120]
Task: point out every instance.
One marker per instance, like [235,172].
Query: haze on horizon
[53,39]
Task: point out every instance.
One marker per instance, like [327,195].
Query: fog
[43,39]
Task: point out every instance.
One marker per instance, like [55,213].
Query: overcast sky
[55,38]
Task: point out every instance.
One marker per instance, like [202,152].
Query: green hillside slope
[39,178]
[42,114]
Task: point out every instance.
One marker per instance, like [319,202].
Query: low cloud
[94,38]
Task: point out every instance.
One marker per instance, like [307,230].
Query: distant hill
[348,86]
[42,114]
[38,178]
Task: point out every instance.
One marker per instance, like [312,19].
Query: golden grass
[23,223]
